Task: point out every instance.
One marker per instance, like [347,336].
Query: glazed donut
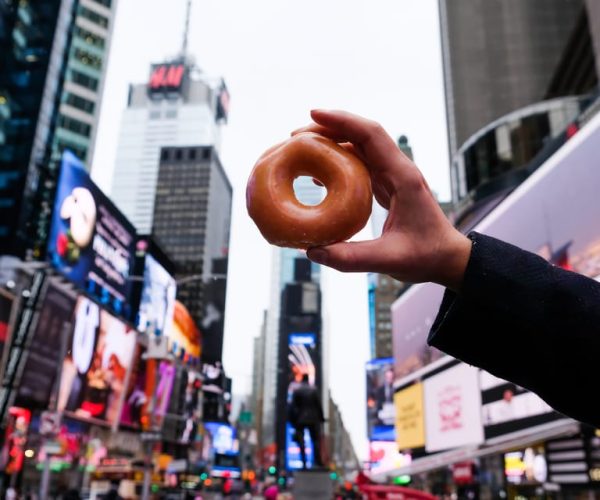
[286,222]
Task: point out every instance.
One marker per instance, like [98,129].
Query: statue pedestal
[312,484]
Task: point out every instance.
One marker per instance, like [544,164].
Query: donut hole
[308,192]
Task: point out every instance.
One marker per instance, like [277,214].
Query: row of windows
[81,103]
[74,125]
[156,115]
[187,154]
[84,80]
[88,59]
[90,38]
[93,16]
[106,3]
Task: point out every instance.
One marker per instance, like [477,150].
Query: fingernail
[317,255]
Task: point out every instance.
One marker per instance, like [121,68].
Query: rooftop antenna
[186,30]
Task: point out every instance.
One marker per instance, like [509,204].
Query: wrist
[454,258]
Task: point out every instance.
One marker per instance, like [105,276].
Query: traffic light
[333,475]
[400,480]
[272,470]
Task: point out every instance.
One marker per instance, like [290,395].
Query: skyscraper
[52,65]
[498,56]
[192,217]
[178,106]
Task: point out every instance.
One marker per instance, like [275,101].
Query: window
[81,153]
[93,16]
[206,154]
[192,154]
[90,38]
[84,80]
[74,125]
[88,59]
[178,154]
[80,103]
[106,3]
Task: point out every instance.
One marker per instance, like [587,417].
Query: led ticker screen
[381,413]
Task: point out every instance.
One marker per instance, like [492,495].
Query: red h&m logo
[166,76]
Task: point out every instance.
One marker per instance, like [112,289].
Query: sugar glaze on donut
[286,222]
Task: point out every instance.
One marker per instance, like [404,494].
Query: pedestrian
[505,310]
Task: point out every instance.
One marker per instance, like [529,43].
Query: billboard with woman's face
[99,354]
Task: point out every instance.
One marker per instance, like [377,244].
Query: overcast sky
[280,58]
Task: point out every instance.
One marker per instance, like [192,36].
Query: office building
[53,58]
[177,106]
[192,217]
[501,55]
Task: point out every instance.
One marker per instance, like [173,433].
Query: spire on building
[186,30]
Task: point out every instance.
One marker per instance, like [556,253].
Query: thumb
[354,256]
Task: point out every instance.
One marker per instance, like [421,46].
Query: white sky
[280,58]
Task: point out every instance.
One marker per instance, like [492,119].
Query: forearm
[526,321]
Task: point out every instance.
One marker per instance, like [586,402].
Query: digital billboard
[223,437]
[45,350]
[157,303]
[6,303]
[302,360]
[185,340]
[452,409]
[507,408]
[385,457]
[99,354]
[410,420]
[91,243]
[137,393]
[381,413]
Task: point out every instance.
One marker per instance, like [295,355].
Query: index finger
[368,136]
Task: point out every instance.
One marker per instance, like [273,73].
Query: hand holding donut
[418,243]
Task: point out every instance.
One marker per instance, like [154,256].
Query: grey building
[53,58]
[502,55]
[192,217]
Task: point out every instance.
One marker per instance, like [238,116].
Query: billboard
[166,78]
[99,354]
[385,457]
[410,421]
[45,350]
[452,409]
[91,243]
[302,359]
[507,408]
[381,413]
[223,438]
[6,304]
[157,303]
[185,341]
[412,317]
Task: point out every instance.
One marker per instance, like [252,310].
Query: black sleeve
[529,322]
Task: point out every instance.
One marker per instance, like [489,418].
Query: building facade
[499,56]
[192,218]
[53,58]
[178,106]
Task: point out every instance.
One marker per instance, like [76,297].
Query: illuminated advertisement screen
[381,413]
[6,303]
[452,409]
[385,457]
[410,420]
[223,438]
[44,353]
[166,77]
[526,466]
[91,243]
[157,303]
[99,354]
[138,392]
[302,358]
[507,408]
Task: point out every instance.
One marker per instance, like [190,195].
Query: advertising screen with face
[91,243]
[381,413]
[157,304]
[94,369]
